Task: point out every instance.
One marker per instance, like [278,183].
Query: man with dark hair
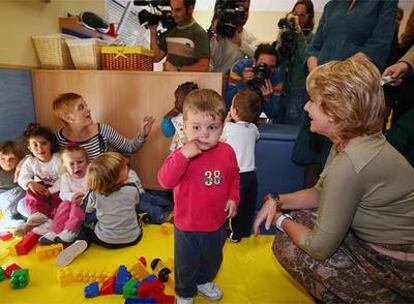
[250,72]
[226,50]
[186,45]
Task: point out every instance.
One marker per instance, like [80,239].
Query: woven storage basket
[86,53]
[52,51]
[127,58]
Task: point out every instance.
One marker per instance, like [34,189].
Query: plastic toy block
[27,243]
[150,278]
[143,261]
[163,271]
[65,277]
[141,301]
[122,277]
[166,299]
[89,275]
[19,278]
[92,290]
[46,252]
[2,274]
[138,271]
[10,269]
[129,290]
[150,289]
[108,286]
[4,236]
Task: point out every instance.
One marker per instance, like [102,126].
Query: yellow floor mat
[249,274]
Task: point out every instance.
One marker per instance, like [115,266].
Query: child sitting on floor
[172,123]
[242,135]
[39,176]
[79,128]
[10,192]
[69,215]
[114,201]
[159,209]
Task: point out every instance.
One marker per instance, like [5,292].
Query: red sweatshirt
[202,186]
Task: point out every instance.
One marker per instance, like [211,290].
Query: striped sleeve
[118,141]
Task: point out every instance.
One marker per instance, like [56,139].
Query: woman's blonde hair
[350,93]
[104,171]
[206,101]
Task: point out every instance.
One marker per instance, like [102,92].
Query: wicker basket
[52,51]
[127,58]
[86,53]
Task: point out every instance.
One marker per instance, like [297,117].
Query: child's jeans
[156,206]
[9,200]
[69,216]
[40,203]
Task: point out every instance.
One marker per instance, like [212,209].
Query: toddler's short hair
[10,147]
[64,104]
[205,100]
[248,105]
[71,149]
[104,171]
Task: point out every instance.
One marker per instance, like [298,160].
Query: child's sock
[66,256]
[66,236]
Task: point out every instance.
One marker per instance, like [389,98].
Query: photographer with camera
[186,45]
[295,32]
[260,74]
[229,41]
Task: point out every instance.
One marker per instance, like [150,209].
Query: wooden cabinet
[121,99]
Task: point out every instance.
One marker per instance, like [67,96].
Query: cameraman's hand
[267,89]
[247,74]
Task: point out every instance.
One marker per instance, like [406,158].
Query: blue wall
[16,102]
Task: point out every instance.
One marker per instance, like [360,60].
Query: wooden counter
[121,99]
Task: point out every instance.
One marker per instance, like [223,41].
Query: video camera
[288,43]
[156,15]
[261,73]
[230,15]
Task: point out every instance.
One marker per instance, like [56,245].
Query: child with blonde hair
[70,214]
[10,192]
[205,179]
[39,175]
[241,134]
[114,200]
[172,124]
[78,128]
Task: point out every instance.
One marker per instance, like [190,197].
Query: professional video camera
[156,15]
[288,43]
[230,15]
[261,73]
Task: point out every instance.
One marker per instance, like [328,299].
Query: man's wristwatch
[280,220]
[276,199]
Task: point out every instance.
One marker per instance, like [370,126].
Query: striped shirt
[106,138]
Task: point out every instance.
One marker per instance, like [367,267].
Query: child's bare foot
[36,219]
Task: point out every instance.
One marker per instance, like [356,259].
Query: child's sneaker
[44,228]
[181,300]
[67,255]
[47,239]
[36,219]
[210,291]
[66,236]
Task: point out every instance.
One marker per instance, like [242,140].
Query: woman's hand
[268,214]
[147,123]
[397,72]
